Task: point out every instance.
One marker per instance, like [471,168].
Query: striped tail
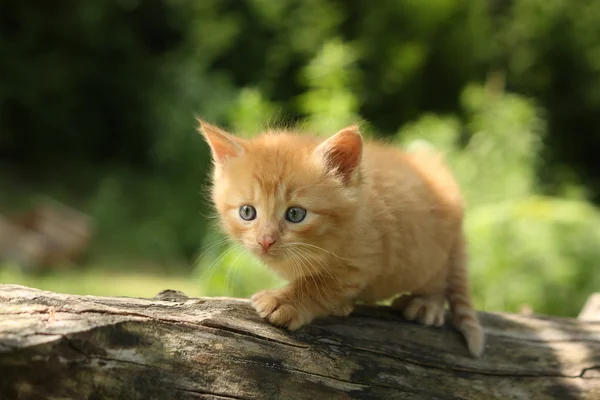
[459,297]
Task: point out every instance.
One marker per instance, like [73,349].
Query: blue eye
[295,214]
[247,213]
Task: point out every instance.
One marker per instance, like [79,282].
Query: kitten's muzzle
[266,242]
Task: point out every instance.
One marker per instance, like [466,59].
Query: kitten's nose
[266,242]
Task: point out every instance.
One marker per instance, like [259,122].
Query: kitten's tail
[459,297]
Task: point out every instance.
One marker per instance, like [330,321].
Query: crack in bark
[593,368]
[274,366]
[459,369]
[399,358]
[360,386]
[72,345]
[75,348]
[244,333]
[408,360]
[206,392]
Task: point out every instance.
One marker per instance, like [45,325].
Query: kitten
[344,220]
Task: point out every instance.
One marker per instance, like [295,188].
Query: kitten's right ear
[342,152]
[223,145]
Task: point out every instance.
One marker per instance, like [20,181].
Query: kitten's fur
[379,223]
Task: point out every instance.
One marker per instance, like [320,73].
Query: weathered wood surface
[55,346]
[591,309]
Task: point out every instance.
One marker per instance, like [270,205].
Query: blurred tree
[551,51]
[76,78]
[89,80]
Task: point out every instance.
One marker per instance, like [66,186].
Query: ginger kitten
[344,220]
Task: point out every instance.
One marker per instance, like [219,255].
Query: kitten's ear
[223,145]
[342,152]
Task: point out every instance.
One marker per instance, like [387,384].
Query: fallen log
[591,309]
[57,346]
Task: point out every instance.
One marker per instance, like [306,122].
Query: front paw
[343,310]
[277,308]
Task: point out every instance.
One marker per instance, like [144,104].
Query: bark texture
[591,309]
[57,346]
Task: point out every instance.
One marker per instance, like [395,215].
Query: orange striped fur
[379,223]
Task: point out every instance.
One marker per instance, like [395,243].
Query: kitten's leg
[344,309]
[427,309]
[303,300]
[459,297]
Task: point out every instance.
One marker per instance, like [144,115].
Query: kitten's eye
[247,213]
[295,214]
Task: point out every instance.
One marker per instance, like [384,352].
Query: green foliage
[139,217]
[252,112]
[330,76]
[494,153]
[102,280]
[550,50]
[534,251]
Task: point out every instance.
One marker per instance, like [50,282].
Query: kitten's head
[285,196]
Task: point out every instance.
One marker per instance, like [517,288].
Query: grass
[101,281]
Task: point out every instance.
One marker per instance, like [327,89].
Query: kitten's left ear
[223,145]
[342,152]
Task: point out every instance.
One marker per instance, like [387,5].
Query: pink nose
[266,242]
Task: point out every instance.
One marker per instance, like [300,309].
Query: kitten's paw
[287,316]
[428,310]
[343,310]
[275,308]
[265,302]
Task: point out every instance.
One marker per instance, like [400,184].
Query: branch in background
[49,235]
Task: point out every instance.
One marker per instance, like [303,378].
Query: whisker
[318,248]
[236,272]
[312,275]
[297,271]
[213,244]
[233,268]
[218,260]
[328,270]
